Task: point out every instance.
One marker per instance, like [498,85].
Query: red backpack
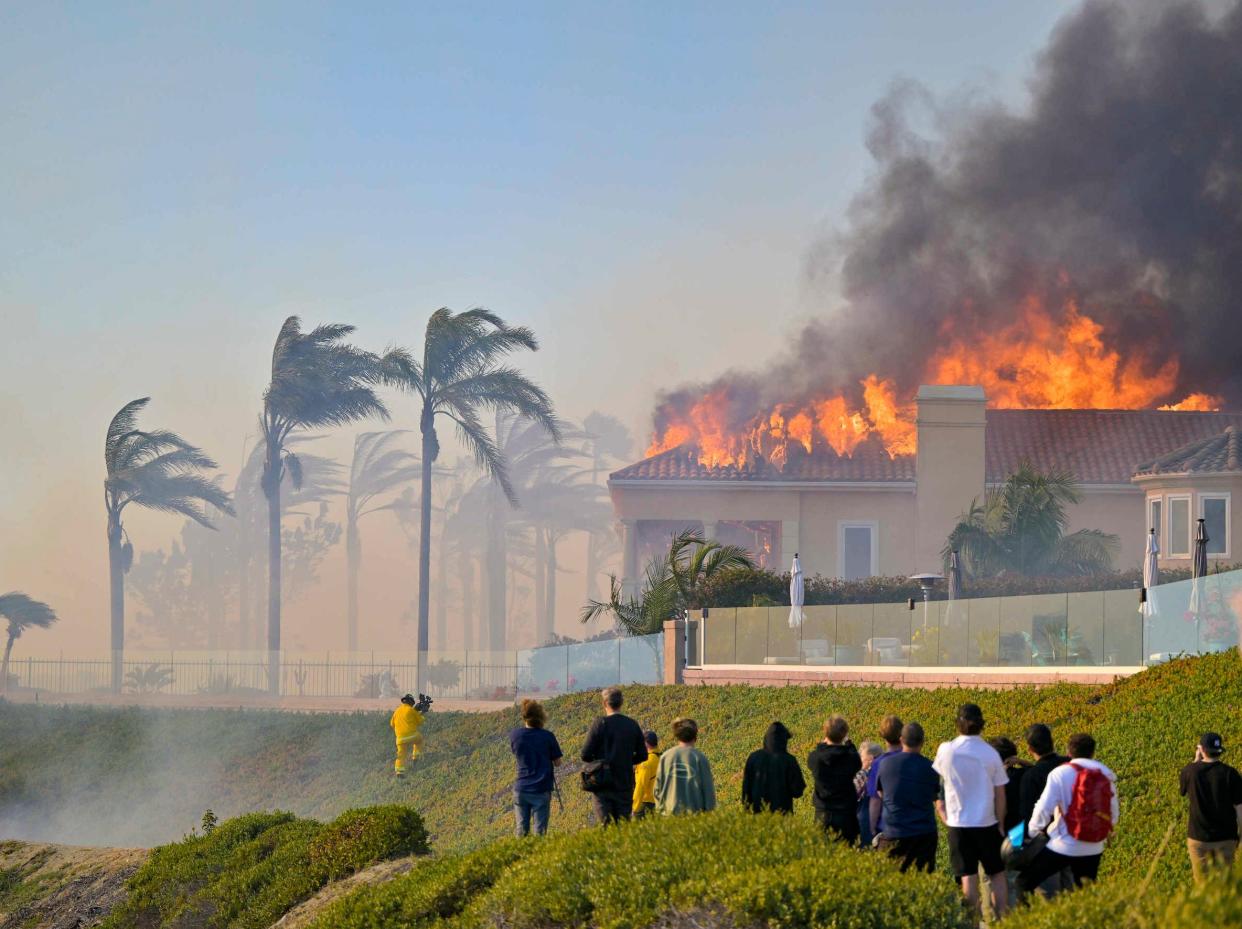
[1090,814]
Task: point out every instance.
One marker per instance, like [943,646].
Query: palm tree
[318,380]
[1019,528]
[158,470]
[673,582]
[378,470]
[22,613]
[459,376]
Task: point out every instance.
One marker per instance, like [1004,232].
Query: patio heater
[928,582]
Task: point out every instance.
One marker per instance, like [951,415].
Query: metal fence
[1100,628]
[464,675]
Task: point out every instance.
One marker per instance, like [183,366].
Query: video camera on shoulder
[424,703]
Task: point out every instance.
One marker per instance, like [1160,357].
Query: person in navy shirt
[537,754]
[908,788]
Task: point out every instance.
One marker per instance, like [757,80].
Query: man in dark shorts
[617,740]
[973,807]
[908,788]
[1215,792]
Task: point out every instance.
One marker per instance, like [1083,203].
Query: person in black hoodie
[1034,779]
[772,779]
[616,740]
[833,763]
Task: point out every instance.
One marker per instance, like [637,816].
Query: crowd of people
[1018,826]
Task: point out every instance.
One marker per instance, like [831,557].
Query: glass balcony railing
[1095,629]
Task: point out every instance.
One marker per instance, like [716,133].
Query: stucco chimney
[949,465]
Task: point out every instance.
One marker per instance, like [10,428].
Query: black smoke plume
[1118,184]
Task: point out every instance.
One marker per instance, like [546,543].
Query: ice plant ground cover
[124,777]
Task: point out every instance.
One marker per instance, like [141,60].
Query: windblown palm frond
[23,612]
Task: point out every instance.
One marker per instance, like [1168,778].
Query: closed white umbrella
[1151,575]
[797,594]
[1198,568]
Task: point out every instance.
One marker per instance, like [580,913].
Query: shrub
[751,587]
[757,869]
[253,869]
[357,838]
[434,890]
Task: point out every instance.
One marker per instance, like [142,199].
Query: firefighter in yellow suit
[405,722]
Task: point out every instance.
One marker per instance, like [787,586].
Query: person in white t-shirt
[973,807]
[1063,850]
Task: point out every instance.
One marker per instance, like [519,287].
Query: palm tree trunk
[116,582]
[466,572]
[353,561]
[430,451]
[541,590]
[496,567]
[549,626]
[4,666]
[271,481]
[441,595]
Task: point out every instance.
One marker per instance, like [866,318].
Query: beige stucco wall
[1117,511]
[809,517]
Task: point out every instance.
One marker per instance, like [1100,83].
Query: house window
[1214,508]
[1179,527]
[857,547]
[1155,513]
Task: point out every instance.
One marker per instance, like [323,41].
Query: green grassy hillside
[124,777]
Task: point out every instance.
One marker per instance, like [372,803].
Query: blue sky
[637,182]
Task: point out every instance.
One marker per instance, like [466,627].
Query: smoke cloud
[1118,187]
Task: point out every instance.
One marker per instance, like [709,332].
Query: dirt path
[62,886]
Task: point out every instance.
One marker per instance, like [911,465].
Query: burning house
[1075,261]
[879,510]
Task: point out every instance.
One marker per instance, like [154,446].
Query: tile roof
[1216,454]
[1097,446]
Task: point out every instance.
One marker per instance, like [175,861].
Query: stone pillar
[628,529]
[949,466]
[709,529]
[674,651]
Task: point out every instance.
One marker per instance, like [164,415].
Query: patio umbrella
[1198,566]
[955,576]
[1151,575]
[797,594]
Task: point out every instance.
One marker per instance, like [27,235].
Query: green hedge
[253,869]
[759,587]
[755,870]
[1116,905]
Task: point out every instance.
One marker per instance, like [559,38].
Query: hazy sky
[639,185]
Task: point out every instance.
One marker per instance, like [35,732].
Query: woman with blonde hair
[537,753]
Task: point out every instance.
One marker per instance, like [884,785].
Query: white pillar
[709,529]
[628,529]
[791,542]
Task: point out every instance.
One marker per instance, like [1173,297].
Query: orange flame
[1042,360]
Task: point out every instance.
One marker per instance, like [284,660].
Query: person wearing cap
[1215,792]
[645,776]
[973,808]
[404,723]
